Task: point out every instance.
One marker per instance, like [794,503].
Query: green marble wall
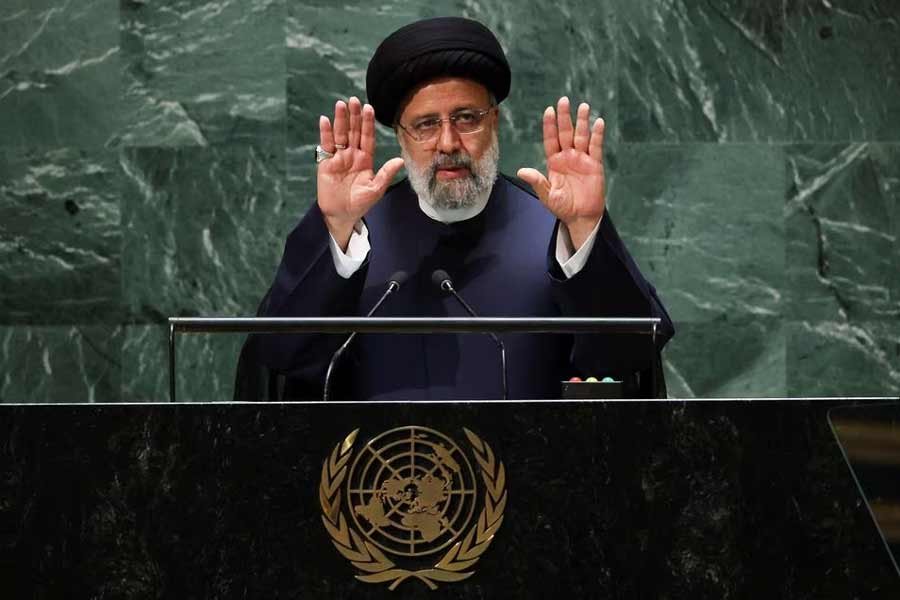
[153,156]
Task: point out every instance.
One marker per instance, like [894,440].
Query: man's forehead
[445,94]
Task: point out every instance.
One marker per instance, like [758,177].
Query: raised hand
[346,184]
[575,187]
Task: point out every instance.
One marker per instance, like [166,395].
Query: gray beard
[455,193]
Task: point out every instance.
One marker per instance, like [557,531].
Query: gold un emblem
[402,507]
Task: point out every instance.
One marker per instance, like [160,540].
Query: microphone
[396,280]
[442,280]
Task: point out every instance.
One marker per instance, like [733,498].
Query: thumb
[387,172]
[537,181]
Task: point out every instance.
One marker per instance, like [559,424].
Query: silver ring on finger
[340,146]
[322,154]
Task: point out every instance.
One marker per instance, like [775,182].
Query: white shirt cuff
[572,262]
[348,263]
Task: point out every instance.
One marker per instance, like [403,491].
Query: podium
[539,499]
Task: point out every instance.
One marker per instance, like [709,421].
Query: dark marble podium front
[606,499]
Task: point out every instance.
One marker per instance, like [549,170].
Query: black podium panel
[607,499]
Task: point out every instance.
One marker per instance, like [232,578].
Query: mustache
[450,161]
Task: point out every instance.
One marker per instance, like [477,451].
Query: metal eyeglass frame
[482,113]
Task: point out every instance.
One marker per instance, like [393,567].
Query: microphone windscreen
[439,277]
[399,277]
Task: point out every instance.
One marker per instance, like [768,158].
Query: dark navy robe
[500,264]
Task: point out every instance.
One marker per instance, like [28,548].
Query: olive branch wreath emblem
[454,565]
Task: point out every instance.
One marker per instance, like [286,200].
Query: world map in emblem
[411,491]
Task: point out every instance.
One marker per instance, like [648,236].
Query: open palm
[574,189]
[346,184]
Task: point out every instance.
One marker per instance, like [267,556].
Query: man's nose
[448,139]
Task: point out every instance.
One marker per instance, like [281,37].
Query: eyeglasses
[462,121]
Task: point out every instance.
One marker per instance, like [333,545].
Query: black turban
[432,48]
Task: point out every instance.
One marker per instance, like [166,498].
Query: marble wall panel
[704,222]
[59,73]
[892,183]
[727,358]
[204,365]
[842,243]
[59,237]
[751,70]
[842,77]
[203,73]
[203,229]
[701,71]
[832,358]
[75,363]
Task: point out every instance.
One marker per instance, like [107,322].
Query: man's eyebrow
[431,115]
[434,115]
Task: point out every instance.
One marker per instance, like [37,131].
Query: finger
[597,133]
[341,123]
[582,127]
[564,123]
[537,181]
[387,173]
[355,122]
[367,135]
[551,134]
[326,134]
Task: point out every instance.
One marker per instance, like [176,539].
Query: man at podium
[550,250]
